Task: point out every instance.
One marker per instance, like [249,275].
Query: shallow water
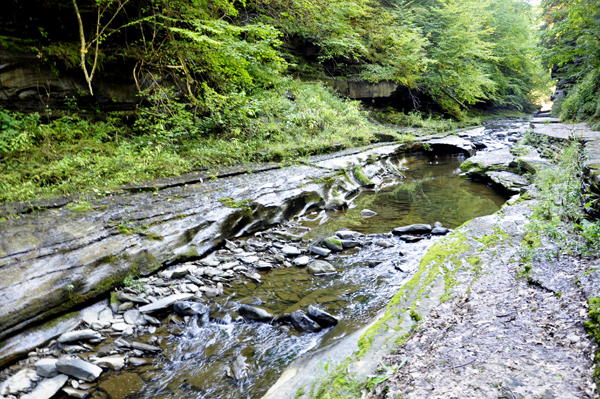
[198,355]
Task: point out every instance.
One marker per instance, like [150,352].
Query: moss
[344,174]
[592,327]
[154,236]
[326,180]
[362,179]
[415,316]
[438,258]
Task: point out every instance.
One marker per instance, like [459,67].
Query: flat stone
[439,231]
[333,243]
[348,234]
[410,239]
[323,318]
[139,361]
[320,251]
[374,263]
[485,161]
[301,261]
[412,229]
[75,393]
[122,386]
[145,347]
[289,250]
[115,363]
[46,368]
[212,272]
[135,318]
[79,369]
[254,313]
[194,279]
[47,388]
[81,335]
[302,322]
[186,308]
[105,315]
[510,181]
[164,303]
[125,297]
[238,369]
[210,262]
[384,244]
[19,382]
[367,213]
[226,266]
[125,306]
[320,266]
[89,317]
[349,243]
[262,265]
[242,268]
[250,259]
[120,326]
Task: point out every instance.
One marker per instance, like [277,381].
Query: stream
[200,358]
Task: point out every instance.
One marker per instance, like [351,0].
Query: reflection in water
[201,357]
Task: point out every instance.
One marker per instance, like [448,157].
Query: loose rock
[81,335]
[334,244]
[79,369]
[320,251]
[185,308]
[47,388]
[321,317]
[320,266]
[46,368]
[254,313]
[413,229]
[302,322]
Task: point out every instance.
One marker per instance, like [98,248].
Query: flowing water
[198,356]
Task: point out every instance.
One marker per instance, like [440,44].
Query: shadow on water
[226,357]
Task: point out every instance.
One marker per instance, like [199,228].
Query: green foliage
[558,213]
[583,101]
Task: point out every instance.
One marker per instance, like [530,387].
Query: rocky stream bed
[246,304]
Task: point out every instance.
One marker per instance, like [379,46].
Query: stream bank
[372,167]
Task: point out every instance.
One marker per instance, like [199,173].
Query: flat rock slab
[320,267]
[497,160]
[510,181]
[412,229]
[47,388]
[79,369]
[164,303]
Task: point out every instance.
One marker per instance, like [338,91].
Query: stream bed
[225,356]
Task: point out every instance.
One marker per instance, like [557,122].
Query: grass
[81,154]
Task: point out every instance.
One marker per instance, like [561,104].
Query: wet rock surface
[168,301]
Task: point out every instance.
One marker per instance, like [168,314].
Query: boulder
[238,368]
[79,369]
[185,308]
[164,303]
[320,316]
[333,243]
[81,335]
[302,322]
[412,229]
[498,160]
[320,267]
[47,388]
[254,313]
